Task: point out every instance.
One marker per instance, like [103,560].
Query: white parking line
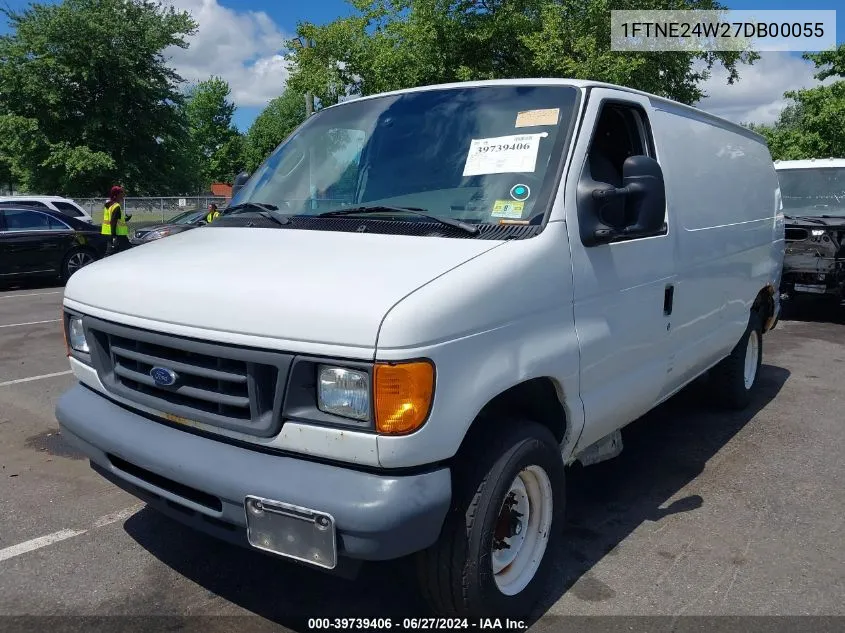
[37,543]
[31,378]
[61,535]
[32,294]
[31,323]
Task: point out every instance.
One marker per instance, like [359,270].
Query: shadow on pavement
[663,452]
[813,310]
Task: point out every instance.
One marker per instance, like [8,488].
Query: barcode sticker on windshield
[503,154]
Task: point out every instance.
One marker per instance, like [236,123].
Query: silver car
[182,222]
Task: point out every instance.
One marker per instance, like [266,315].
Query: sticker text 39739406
[516,153]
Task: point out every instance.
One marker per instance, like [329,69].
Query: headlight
[76,335]
[344,392]
[155,235]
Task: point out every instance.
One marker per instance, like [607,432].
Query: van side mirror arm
[609,235]
[608,194]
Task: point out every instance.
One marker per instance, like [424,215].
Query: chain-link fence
[151,210]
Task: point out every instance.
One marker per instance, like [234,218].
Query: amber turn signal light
[403,395]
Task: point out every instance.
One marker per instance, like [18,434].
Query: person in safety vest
[212,214]
[114,221]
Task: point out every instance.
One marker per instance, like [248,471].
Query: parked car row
[50,236]
[65,206]
[45,243]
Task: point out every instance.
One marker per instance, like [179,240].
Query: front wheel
[74,261]
[493,554]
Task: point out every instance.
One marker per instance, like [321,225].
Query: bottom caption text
[412,624]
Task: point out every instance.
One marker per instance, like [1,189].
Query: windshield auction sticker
[503,154]
[530,118]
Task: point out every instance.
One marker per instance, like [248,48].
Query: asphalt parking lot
[704,513]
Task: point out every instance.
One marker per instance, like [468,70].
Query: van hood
[297,285]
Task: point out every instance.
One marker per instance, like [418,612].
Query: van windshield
[817,191]
[479,154]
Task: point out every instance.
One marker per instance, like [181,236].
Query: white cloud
[243,47]
[758,95]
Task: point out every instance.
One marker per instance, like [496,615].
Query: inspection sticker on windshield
[503,154]
[530,118]
[507,209]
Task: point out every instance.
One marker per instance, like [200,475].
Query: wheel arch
[764,306]
[538,399]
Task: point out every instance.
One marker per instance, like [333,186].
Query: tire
[734,378]
[76,259]
[456,574]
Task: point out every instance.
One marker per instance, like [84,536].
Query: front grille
[230,387]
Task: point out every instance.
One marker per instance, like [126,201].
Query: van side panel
[722,191]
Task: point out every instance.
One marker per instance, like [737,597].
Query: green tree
[393,44]
[216,143]
[813,124]
[281,116]
[87,99]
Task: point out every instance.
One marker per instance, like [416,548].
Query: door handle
[668,298]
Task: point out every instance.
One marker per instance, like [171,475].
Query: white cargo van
[418,311]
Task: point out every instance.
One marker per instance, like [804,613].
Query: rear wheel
[494,551]
[75,260]
[734,378]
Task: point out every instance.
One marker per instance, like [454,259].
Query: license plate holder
[291,531]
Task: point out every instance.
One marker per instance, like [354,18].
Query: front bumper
[203,482]
[806,283]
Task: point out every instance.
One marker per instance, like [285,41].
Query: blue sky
[241,40]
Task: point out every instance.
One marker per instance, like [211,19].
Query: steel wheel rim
[530,495]
[752,355]
[77,261]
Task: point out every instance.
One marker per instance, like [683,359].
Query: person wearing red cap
[114,221]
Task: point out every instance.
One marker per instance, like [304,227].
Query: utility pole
[309,98]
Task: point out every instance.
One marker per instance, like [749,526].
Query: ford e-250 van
[419,310]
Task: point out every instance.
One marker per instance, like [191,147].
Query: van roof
[810,163]
[575,83]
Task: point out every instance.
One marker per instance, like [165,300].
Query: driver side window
[620,132]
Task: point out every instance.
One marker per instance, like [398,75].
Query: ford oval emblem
[163,377]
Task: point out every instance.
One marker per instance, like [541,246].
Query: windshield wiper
[423,213]
[269,211]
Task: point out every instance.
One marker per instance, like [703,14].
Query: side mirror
[240,181]
[643,196]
